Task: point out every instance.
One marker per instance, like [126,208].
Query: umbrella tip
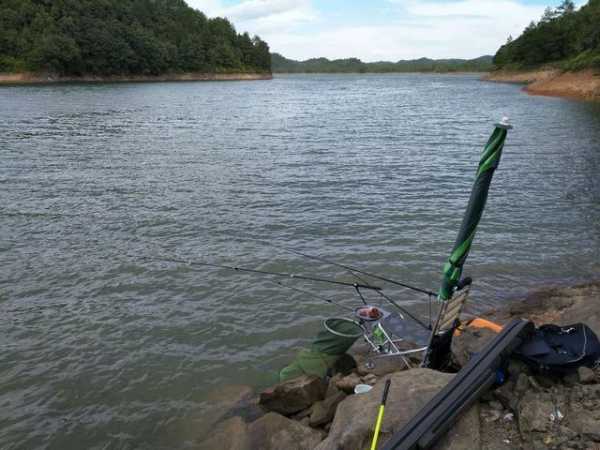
[504,123]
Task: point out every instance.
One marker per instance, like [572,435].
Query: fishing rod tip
[504,123]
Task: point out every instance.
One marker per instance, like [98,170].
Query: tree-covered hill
[122,37]
[565,36]
[354,65]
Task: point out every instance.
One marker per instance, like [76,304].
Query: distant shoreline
[383,73]
[26,78]
[583,85]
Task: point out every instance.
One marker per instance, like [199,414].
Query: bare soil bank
[36,78]
[584,85]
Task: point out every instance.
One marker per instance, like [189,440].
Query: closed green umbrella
[490,158]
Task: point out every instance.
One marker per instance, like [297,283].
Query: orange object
[478,322]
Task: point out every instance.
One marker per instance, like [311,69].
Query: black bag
[559,350]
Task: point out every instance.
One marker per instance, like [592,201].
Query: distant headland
[281,64]
[559,55]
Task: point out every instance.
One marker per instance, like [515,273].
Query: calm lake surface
[104,345]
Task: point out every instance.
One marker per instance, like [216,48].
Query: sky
[377,30]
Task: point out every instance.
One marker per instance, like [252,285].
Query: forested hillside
[354,65]
[121,37]
[565,36]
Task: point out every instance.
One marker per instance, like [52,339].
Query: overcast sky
[376,30]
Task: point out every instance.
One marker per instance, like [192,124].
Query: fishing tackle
[279,274]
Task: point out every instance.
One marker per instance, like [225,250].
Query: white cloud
[414,28]
[261,16]
[498,9]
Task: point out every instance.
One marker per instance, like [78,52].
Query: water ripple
[104,345]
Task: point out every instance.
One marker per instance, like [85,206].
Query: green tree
[121,37]
[565,36]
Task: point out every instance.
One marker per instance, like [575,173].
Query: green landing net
[330,345]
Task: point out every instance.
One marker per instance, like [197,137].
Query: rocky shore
[43,78]
[583,85]
[529,411]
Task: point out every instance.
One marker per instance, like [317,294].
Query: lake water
[104,345]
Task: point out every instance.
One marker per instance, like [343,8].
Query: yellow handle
[377,427]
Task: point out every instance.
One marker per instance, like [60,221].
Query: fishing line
[361,296]
[264,272]
[312,294]
[352,269]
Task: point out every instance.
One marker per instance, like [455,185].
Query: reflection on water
[108,347]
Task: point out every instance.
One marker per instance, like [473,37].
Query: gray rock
[348,383]
[469,342]
[380,365]
[247,408]
[586,375]
[508,395]
[464,435]
[223,402]
[522,384]
[368,362]
[586,422]
[567,432]
[534,385]
[370,379]
[302,414]
[490,415]
[496,405]
[231,434]
[323,411]
[535,413]
[275,432]
[516,367]
[332,389]
[352,426]
[305,421]
[292,396]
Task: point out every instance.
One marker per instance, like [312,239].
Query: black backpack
[560,350]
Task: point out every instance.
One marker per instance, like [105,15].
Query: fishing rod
[352,270]
[279,274]
[312,294]
[405,311]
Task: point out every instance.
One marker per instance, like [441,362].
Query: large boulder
[323,411]
[586,423]
[465,434]
[352,427]
[232,434]
[222,403]
[468,343]
[275,432]
[586,375]
[369,362]
[561,306]
[537,413]
[348,383]
[584,414]
[292,396]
